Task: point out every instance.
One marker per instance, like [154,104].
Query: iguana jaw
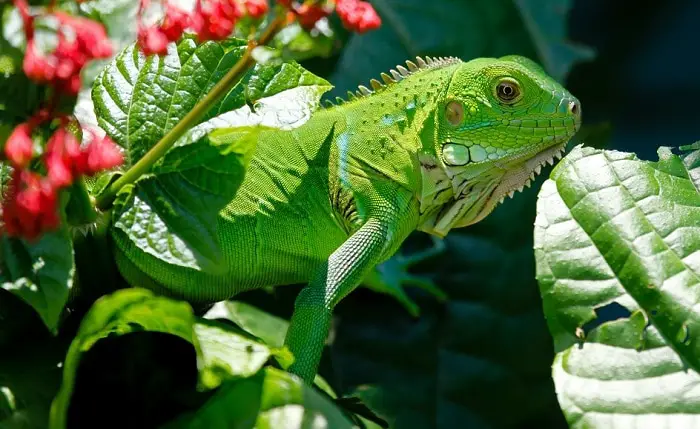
[522,174]
[518,172]
[476,196]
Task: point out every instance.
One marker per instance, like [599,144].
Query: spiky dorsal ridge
[395,75]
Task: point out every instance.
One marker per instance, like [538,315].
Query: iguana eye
[454,112]
[508,91]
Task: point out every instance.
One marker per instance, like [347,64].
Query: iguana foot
[391,276]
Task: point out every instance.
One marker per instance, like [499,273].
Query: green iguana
[436,146]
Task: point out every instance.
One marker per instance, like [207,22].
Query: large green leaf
[229,364]
[171,214]
[124,312]
[138,99]
[270,399]
[617,233]
[267,327]
[41,273]
[222,353]
[462,29]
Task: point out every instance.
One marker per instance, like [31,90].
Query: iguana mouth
[517,172]
[523,174]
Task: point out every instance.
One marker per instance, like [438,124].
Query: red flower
[152,40]
[357,15]
[90,36]
[30,206]
[215,19]
[256,8]
[309,14]
[100,154]
[62,155]
[174,23]
[79,41]
[19,146]
[66,160]
[38,67]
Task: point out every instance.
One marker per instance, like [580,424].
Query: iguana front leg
[392,276]
[339,276]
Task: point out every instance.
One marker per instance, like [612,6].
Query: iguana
[436,146]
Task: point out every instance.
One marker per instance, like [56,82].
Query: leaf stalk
[230,79]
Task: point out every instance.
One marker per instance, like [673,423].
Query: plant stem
[219,90]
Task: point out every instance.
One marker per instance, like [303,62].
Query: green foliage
[615,231]
[615,250]
[244,392]
[171,214]
[41,273]
[138,99]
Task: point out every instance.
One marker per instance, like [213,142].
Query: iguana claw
[392,276]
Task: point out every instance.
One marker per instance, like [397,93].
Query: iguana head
[498,122]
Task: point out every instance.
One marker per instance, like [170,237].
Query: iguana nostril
[574,108]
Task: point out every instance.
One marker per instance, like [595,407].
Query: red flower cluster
[155,39]
[30,205]
[308,14]
[215,19]
[256,8]
[211,20]
[357,15]
[79,41]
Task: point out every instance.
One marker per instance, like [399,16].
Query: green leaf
[270,399]
[40,273]
[235,405]
[282,391]
[222,353]
[269,328]
[138,99]
[617,233]
[171,214]
[126,311]
[225,354]
[487,28]
[691,159]
[266,81]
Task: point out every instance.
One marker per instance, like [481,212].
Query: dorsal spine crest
[397,75]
